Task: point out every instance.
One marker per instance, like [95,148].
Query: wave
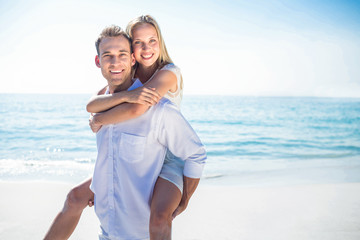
[72,171]
[212,176]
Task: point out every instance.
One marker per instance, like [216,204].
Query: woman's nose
[145,46]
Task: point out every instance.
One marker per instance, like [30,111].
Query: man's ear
[97,61]
[133,61]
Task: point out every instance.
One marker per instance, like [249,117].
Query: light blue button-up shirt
[130,157]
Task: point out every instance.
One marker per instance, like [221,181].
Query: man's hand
[182,206]
[95,127]
[190,184]
[143,95]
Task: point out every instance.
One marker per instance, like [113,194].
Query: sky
[224,47]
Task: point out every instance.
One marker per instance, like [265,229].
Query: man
[131,153]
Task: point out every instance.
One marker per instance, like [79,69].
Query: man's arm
[163,81]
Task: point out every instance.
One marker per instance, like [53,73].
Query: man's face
[115,60]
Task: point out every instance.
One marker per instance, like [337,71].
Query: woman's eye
[137,42]
[152,40]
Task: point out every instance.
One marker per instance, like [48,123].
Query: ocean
[249,140]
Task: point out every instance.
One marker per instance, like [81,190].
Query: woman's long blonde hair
[164,57]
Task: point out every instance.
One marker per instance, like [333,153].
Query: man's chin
[117,82]
[120,85]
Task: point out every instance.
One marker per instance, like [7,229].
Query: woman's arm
[162,82]
[142,95]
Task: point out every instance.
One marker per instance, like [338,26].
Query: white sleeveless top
[174,97]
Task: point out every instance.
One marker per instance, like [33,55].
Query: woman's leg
[65,222]
[166,199]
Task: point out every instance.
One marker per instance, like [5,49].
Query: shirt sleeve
[179,137]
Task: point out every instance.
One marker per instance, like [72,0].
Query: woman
[154,68]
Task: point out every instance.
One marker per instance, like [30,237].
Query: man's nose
[115,60]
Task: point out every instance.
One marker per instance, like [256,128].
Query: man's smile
[116,71]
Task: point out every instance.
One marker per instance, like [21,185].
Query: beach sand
[322,211]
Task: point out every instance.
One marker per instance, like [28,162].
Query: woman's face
[145,44]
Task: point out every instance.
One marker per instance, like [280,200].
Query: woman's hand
[143,95]
[95,127]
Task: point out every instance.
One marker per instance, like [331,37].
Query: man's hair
[111,31]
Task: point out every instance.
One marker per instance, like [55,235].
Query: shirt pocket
[132,147]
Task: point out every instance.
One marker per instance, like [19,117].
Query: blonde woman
[161,78]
